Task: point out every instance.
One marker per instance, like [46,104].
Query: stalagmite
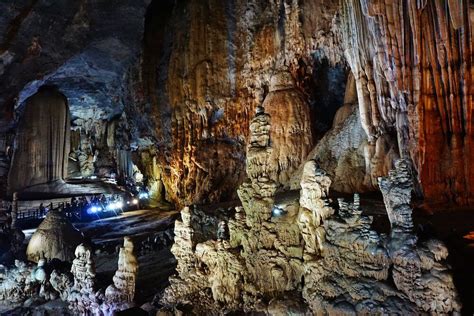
[55,238]
[331,257]
[123,289]
[290,128]
[82,296]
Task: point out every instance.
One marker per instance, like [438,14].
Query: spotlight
[143,195]
[277,211]
[135,201]
[94,209]
[115,206]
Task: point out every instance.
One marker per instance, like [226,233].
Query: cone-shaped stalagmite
[42,141]
[56,238]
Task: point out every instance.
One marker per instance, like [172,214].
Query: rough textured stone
[412,63]
[329,258]
[55,238]
[202,84]
[184,98]
[122,291]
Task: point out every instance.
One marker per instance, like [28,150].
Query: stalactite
[423,51]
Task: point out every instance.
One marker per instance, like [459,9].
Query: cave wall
[179,81]
[83,47]
[412,61]
[210,76]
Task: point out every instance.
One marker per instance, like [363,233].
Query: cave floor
[454,227]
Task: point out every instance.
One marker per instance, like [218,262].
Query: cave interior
[210,157]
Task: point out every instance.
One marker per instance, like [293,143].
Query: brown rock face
[210,76]
[290,128]
[42,141]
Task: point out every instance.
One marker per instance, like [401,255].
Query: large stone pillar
[42,141]
[291,137]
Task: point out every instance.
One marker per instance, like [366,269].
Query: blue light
[94,209]
[143,195]
[278,211]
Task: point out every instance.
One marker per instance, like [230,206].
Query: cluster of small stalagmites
[358,265]
[347,267]
[263,251]
[25,281]
[84,296]
[210,274]
[350,275]
[350,237]
[273,247]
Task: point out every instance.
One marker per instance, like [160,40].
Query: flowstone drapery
[327,258]
[42,141]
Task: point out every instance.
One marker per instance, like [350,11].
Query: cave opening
[327,87]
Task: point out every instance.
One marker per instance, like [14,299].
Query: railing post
[14,209]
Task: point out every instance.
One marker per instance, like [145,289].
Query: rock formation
[26,282]
[16,284]
[290,128]
[123,289]
[327,258]
[179,105]
[55,238]
[412,63]
[42,141]
[417,270]
[82,295]
[228,59]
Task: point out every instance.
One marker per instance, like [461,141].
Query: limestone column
[42,141]
[291,125]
